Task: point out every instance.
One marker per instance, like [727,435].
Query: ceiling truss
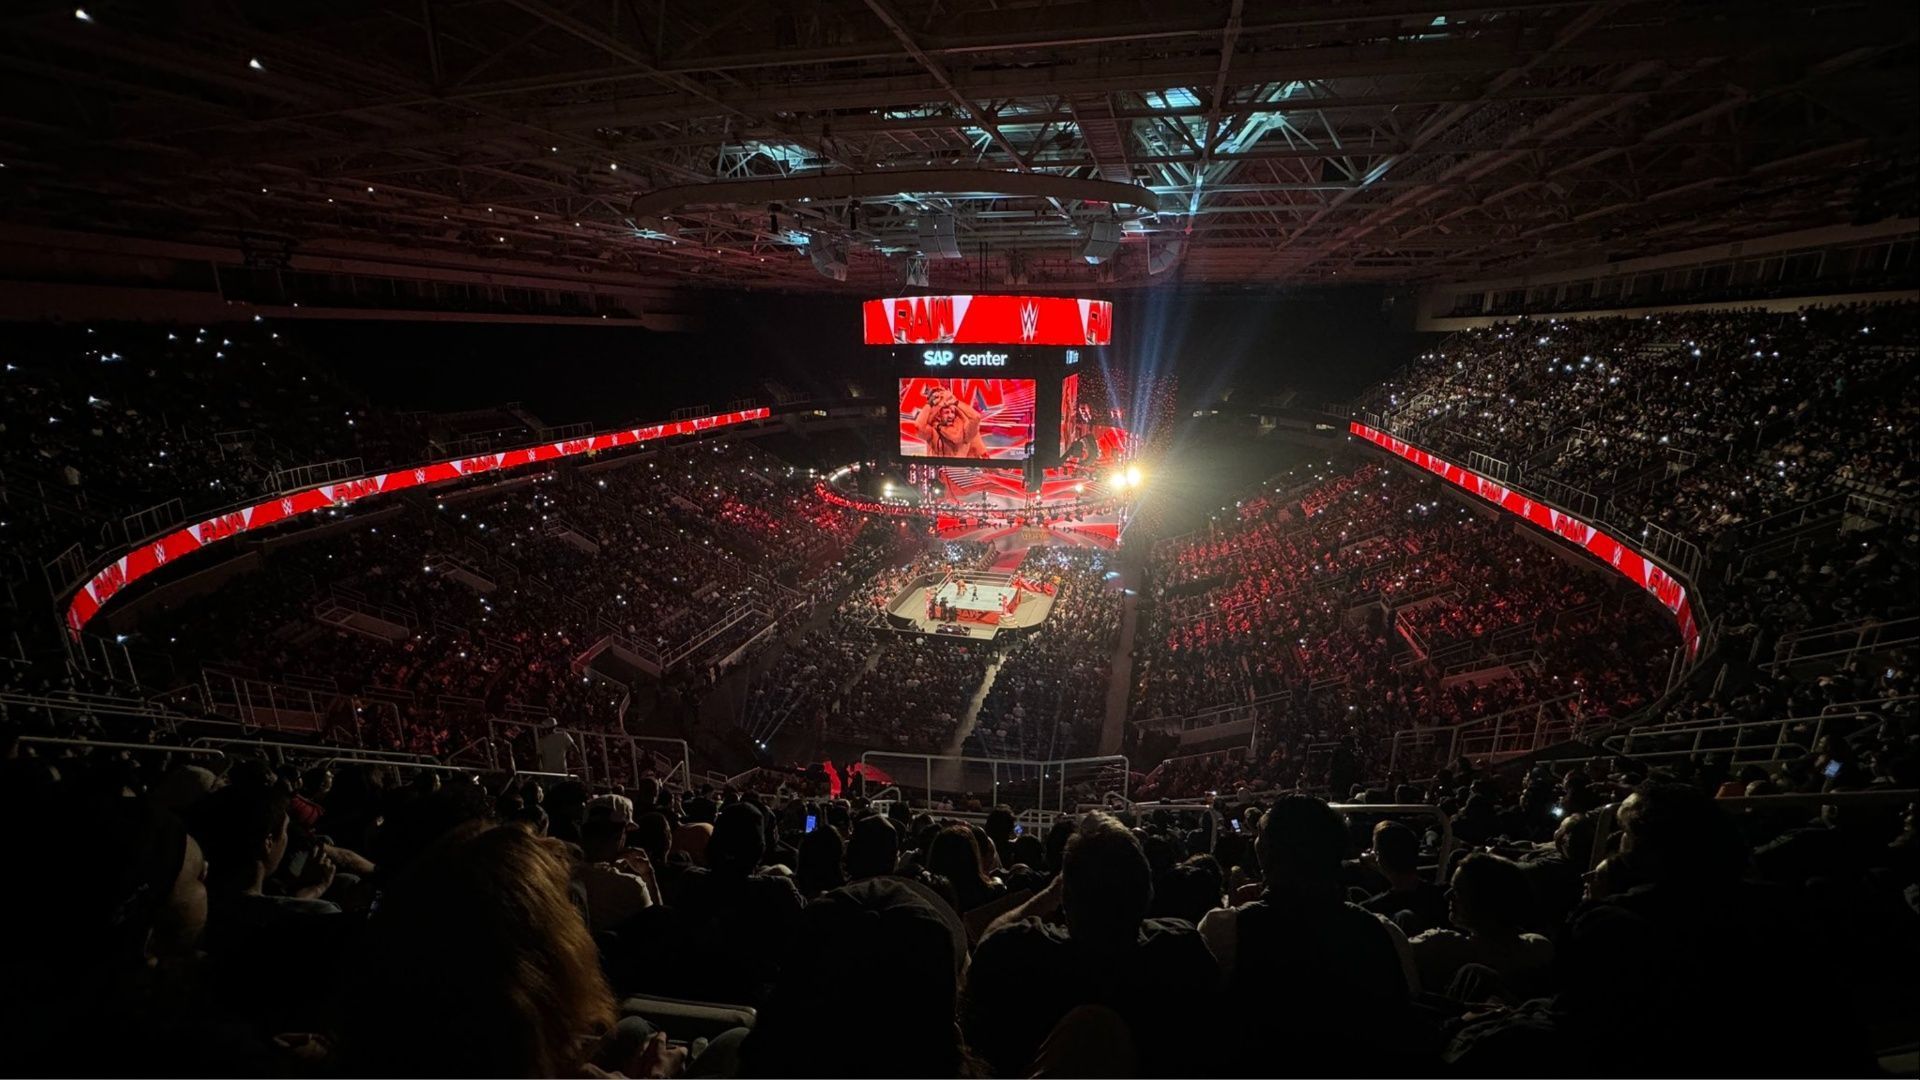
[1372,140]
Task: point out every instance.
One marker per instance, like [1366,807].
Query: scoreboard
[988,380]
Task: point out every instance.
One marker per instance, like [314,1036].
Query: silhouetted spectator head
[999,829]
[1677,836]
[905,1029]
[477,964]
[316,782]
[739,840]
[1490,895]
[874,850]
[821,856]
[531,818]
[602,839]
[1109,885]
[955,855]
[653,834]
[989,851]
[1573,838]
[1302,841]
[243,829]
[1190,890]
[1397,848]
[1057,838]
[122,883]
[1029,851]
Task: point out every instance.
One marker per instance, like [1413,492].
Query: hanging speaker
[1103,241]
[828,261]
[938,237]
[1165,259]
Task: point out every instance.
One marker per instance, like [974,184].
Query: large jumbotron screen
[978,419]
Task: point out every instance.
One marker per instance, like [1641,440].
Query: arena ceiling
[719,143]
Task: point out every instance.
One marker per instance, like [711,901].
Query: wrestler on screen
[950,427]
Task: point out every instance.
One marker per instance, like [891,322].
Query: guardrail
[1051,784]
[259,703]
[397,757]
[100,744]
[1212,716]
[97,705]
[1503,735]
[1839,645]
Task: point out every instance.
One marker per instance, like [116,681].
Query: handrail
[1019,772]
[99,704]
[1210,710]
[98,744]
[1453,732]
[348,759]
[1787,651]
[310,747]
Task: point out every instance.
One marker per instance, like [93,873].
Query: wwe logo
[1029,320]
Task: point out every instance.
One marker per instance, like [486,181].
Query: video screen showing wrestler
[979,419]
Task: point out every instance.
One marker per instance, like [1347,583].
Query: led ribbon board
[107,582]
[1638,568]
[987,320]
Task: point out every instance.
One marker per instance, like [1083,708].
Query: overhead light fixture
[81,14]
[256,65]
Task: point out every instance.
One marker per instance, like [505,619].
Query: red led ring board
[1638,568]
[987,320]
[109,580]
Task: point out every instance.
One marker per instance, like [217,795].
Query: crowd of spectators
[1341,611]
[477,605]
[221,916]
[1701,423]
[226,917]
[1049,695]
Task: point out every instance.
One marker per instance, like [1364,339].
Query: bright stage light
[1133,476]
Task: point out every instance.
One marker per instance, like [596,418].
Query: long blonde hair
[478,964]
